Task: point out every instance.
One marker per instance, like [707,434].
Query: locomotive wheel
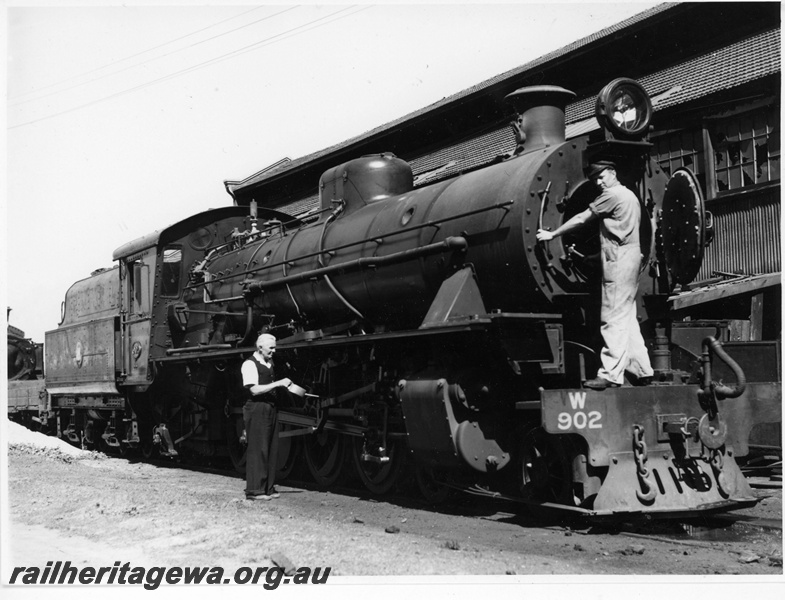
[146,445]
[325,454]
[234,446]
[89,436]
[120,450]
[288,453]
[431,489]
[148,449]
[104,447]
[379,478]
[546,468]
[288,449]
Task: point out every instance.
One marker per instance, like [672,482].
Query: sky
[122,119]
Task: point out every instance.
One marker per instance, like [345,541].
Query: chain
[648,492]
[715,459]
[640,450]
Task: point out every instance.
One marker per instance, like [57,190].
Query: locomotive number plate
[605,418]
[577,417]
[592,415]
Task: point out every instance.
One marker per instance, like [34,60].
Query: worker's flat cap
[595,168]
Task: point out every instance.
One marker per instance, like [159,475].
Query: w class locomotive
[432,334]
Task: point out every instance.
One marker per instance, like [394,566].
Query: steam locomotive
[430,331]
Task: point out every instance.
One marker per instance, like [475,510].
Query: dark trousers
[261,457]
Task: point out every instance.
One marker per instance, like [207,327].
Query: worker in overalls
[619,212]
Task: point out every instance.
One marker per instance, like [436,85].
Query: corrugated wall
[747,235]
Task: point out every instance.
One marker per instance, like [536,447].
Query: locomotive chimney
[540,121]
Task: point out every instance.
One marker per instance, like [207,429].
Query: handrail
[434,223]
[450,243]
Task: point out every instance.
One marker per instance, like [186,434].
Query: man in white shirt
[261,420]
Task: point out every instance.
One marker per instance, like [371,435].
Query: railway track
[702,532]
[476,525]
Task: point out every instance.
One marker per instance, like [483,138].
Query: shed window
[681,148]
[746,149]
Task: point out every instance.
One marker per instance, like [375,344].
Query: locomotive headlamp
[624,109]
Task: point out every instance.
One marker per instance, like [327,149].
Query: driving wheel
[546,467]
[430,486]
[377,474]
[324,455]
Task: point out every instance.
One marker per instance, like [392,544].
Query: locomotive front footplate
[645,453]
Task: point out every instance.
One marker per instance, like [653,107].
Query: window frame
[769,106]
[164,288]
[703,151]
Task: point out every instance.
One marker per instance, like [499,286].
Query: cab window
[170,271]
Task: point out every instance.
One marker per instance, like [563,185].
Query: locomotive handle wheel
[582,246]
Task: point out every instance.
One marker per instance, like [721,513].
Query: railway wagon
[433,335]
[28,403]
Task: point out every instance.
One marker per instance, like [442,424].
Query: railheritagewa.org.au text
[150,578]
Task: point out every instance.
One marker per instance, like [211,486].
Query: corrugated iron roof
[565,50]
[735,65]
[746,60]
[738,63]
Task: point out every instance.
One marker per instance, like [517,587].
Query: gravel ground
[68,504]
